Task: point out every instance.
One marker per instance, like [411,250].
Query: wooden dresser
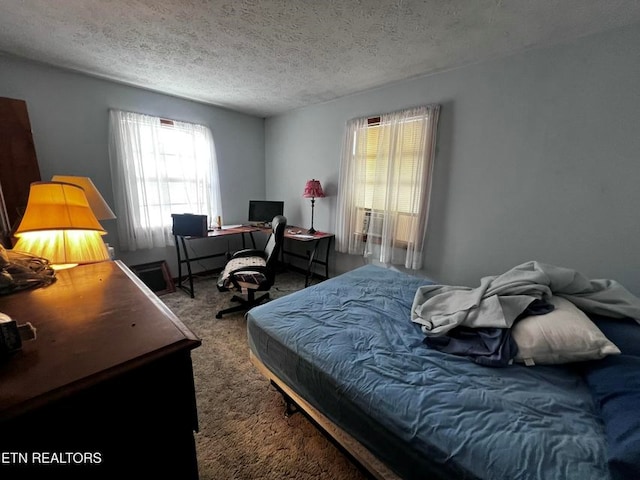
[105,390]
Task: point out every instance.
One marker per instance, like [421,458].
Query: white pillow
[564,335]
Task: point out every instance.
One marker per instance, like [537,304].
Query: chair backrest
[274,245]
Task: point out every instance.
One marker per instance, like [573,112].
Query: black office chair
[250,271]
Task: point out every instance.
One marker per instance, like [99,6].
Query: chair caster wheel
[218,315]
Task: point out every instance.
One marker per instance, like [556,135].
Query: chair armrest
[249,252]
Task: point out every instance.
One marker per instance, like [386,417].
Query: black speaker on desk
[189,225]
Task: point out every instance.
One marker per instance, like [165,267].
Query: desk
[292,233]
[109,373]
[298,234]
[181,240]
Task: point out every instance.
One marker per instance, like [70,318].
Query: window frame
[159,167]
[368,212]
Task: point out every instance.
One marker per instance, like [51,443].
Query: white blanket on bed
[499,300]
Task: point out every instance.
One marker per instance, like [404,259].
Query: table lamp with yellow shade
[60,226]
[100,207]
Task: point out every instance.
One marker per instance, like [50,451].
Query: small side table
[313,242]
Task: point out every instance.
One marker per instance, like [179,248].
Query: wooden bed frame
[353,448]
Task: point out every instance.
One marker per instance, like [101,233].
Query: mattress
[348,347]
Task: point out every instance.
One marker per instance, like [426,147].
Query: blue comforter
[349,347]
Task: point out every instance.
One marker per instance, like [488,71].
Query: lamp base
[311,231]
[63,266]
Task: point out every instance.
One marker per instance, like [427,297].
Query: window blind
[374,175]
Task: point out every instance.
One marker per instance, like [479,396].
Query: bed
[346,351]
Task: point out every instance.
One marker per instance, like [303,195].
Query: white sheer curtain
[159,167]
[385,185]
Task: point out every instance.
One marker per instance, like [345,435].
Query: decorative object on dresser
[60,226]
[313,190]
[20,271]
[98,205]
[12,335]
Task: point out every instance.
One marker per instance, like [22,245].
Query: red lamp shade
[313,189]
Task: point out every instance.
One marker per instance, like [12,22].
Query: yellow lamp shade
[59,225]
[100,207]
[57,206]
[64,247]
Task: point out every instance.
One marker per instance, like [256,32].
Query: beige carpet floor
[243,432]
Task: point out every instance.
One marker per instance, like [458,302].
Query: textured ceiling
[267,57]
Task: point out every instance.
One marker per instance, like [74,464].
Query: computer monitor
[263,211]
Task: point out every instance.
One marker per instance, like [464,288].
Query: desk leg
[175,240]
[188,262]
[253,240]
[326,258]
[312,257]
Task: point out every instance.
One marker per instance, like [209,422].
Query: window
[373,196]
[160,167]
[385,183]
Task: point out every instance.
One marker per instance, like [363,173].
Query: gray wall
[537,159]
[69,120]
